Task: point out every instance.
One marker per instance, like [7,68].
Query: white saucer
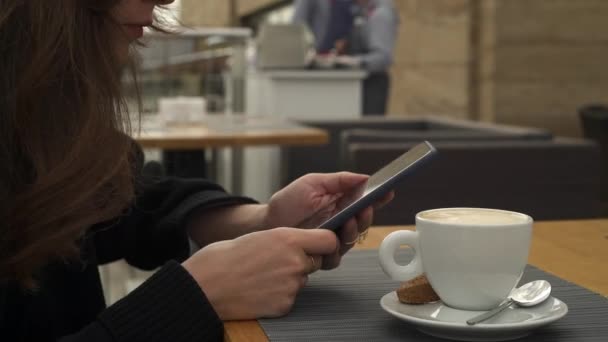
[442,321]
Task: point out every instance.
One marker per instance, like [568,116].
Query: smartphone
[379,184]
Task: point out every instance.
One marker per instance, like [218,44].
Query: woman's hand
[315,197]
[259,274]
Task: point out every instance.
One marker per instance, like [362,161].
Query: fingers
[384,200]
[331,261]
[355,230]
[313,241]
[365,219]
[303,280]
[312,247]
[349,234]
[339,181]
[308,264]
[316,262]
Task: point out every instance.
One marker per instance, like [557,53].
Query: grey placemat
[343,305]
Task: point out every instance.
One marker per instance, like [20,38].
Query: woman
[72,198]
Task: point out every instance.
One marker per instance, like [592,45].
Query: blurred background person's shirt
[362,33]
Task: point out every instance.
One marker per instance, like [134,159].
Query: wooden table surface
[576,251]
[216,131]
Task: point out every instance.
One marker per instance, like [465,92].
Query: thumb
[341,181]
[316,241]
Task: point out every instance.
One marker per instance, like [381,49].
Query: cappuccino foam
[474,216]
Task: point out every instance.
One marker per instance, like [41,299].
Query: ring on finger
[360,238]
[313,264]
[350,243]
[363,235]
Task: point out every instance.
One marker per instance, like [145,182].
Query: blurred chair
[327,158]
[302,160]
[549,180]
[351,136]
[594,119]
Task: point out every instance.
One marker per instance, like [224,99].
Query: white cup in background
[182,109]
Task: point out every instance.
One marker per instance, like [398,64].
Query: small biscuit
[417,291]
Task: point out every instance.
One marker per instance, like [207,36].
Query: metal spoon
[529,294]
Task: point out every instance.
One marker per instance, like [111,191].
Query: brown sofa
[547,179]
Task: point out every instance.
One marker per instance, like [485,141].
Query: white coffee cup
[473,257]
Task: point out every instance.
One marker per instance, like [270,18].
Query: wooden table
[237,130]
[576,251]
[234,131]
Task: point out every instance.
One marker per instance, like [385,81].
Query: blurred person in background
[356,34]
[72,197]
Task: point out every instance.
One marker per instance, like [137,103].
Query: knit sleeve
[169,306]
[153,231]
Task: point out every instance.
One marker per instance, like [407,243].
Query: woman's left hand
[315,197]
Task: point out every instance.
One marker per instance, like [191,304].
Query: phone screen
[377,185]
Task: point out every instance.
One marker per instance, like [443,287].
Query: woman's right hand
[259,274]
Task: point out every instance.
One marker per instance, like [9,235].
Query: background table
[229,131]
[576,251]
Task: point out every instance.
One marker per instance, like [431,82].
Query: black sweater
[170,306]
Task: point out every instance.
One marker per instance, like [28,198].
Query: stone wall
[245,7]
[211,13]
[550,58]
[217,12]
[432,58]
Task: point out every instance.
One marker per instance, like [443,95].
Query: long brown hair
[66,160]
